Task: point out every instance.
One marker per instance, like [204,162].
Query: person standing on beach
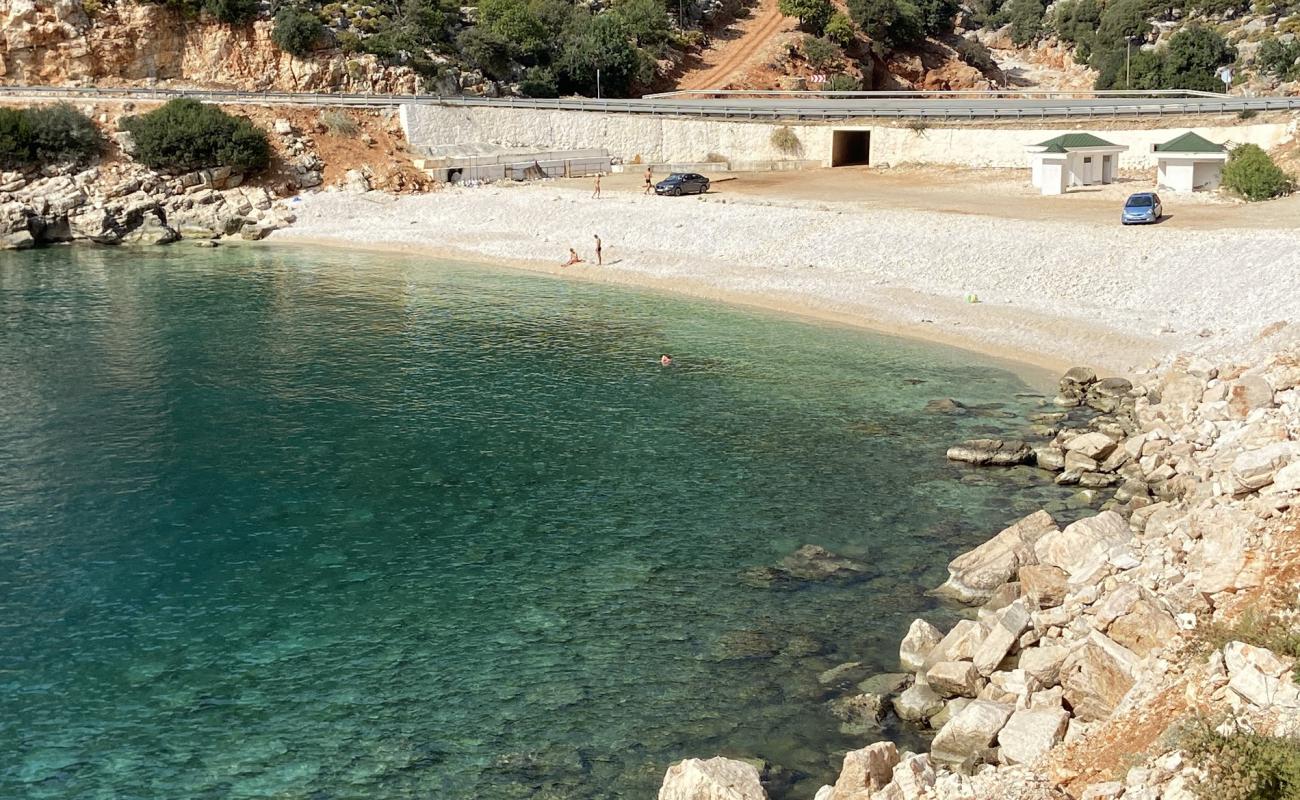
[596,194]
[648,181]
[599,262]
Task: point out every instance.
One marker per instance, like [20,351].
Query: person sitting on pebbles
[574,258]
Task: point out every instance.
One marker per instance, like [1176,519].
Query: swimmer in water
[665,360]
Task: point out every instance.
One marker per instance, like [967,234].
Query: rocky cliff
[58,42]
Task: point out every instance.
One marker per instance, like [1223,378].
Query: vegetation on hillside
[1251,173]
[1240,765]
[186,135]
[42,135]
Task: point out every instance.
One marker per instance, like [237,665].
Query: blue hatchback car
[1141,208]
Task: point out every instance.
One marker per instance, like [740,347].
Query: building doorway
[850,148]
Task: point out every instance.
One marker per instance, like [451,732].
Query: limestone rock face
[865,771]
[714,779]
[918,702]
[1096,676]
[1226,559]
[1044,663]
[974,576]
[1043,585]
[1247,394]
[1004,633]
[1254,469]
[959,644]
[1030,732]
[974,729]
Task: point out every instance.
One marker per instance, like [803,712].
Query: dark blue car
[1141,208]
[682,183]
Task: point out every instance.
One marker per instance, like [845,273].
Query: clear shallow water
[309,524]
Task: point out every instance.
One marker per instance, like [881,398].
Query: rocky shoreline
[1089,649]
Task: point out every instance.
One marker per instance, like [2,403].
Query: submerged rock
[808,564]
[991,452]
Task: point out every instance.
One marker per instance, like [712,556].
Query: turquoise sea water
[309,524]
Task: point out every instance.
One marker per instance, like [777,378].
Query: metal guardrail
[937,94]
[858,108]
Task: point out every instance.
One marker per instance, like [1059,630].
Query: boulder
[714,779]
[1144,628]
[809,563]
[921,639]
[1225,559]
[955,679]
[1043,585]
[946,406]
[975,728]
[885,683]
[960,643]
[859,713]
[1078,378]
[1095,446]
[1248,393]
[991,452]
[1049,457]
[950,709]
[1004,632]
[973,576]
[866,771]
[1044,663]
[1096,675]
[1030,732]
[1081,546]
[914,777]
[918,702]
[1254,469]
[1107,394]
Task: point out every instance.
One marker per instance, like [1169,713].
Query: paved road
[860,105]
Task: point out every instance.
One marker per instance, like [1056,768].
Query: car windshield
[1140,201]
[676,176]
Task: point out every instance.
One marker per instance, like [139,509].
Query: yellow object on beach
[970,298]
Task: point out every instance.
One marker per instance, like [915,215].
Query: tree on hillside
[812,14]
[891,24]
[600,41]
[822,54]
[646,21]
[185,135]
[1193,55]
[1026,17]
[1076,22]
[1251,173]
[937,15]
[296,31]
[512,26]
[840,29]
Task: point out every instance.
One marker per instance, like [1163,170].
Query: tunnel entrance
[850,148]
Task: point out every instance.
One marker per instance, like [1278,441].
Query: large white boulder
[865,771]
[1008,625]
[921,639]
[974,576]
[955,679]
[972,730]
[1254,469]
[1084,545]
[1226,557]
[1030,732]
[959,644]
[714,779]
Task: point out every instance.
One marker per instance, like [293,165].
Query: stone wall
[680,139]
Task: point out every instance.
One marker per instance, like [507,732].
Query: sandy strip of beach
[1050,294]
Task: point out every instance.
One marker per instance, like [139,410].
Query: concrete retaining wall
[682,140]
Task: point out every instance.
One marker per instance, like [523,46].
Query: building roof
[1073,141]
[1189,143]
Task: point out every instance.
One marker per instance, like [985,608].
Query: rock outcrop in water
[714,779]
[1081,665]
[809,564]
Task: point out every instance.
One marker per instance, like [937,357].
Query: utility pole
[1128,49]
[597,83]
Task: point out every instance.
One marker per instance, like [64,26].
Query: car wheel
[677,191]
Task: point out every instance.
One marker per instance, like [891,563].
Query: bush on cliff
[40,135]
[187,135]
[1241,765]
[295,31]
[812,14]
[1251,173]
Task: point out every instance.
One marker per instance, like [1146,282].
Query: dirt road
[721,64]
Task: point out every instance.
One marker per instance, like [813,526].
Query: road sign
[818,78]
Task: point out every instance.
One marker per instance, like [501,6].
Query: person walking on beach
[573,258]
[596,194]
[599,262]
[648,181]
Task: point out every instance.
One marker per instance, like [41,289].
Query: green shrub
[1269,631]
[1278,58]
[891,24]
[296,31]
[339,123]
[1076,22]
[538,82]
[786,140]
[937,15]
[57,134]
[842,83]
[646,21]
[813,15]
[840,29]
[231,11]
[185,135]
[1026,18]
[821,53]
[1251,173]
[1242,766]
[974,53]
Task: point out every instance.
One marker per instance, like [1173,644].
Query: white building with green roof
[1189,163]
[1073,159]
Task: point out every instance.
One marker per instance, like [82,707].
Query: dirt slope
[723,65]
